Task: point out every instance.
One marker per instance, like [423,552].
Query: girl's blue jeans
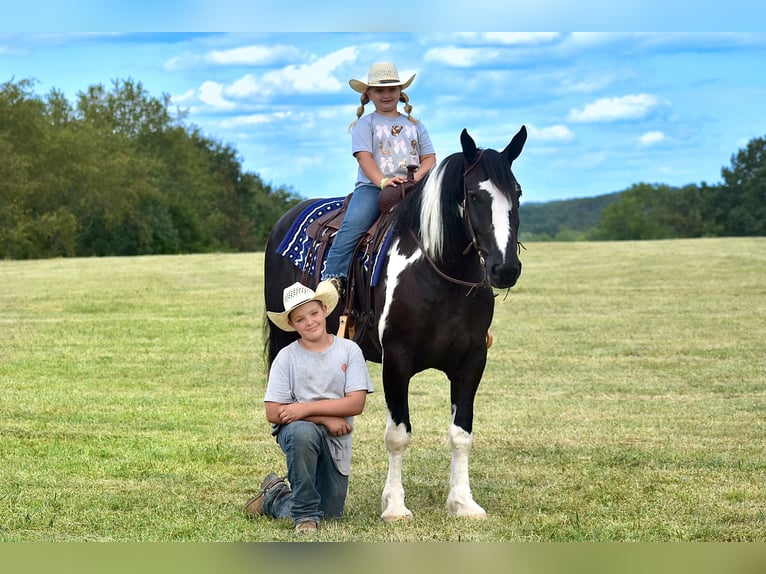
[361,213]
[318,490]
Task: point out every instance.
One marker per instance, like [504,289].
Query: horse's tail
[269,344]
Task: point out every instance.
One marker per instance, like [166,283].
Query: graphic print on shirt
[398,147]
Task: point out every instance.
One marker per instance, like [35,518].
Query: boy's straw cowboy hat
[296,295]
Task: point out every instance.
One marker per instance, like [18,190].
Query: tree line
[117,172]
[735,207]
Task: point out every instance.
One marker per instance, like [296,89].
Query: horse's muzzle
[505,276]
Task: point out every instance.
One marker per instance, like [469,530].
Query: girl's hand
[392,181]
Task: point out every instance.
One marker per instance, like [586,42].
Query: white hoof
[392,516]
[467,509]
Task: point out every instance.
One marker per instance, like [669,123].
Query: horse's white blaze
[459,501]
[397,440]
[501,216]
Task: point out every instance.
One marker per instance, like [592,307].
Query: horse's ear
[469,147]
[512,151]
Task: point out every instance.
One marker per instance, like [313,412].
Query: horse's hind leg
[397,440]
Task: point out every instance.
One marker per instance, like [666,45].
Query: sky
[604,109]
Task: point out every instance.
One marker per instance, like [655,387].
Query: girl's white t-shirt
[394,142]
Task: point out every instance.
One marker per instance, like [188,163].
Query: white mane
[431,226]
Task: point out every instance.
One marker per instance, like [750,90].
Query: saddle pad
[297,246]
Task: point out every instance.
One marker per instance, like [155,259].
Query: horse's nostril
[504,276]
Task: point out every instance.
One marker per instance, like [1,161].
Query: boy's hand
[337,426]
[290,413]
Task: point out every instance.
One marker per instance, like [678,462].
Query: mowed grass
[624,400]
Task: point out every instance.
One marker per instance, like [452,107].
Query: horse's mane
[431,209]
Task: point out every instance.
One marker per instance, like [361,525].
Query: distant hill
[563,220]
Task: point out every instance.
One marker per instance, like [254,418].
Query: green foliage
[652,212]
[658,211]
[567,220]
[119,174]
[742,204]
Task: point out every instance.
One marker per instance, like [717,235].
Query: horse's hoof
[466,510]
[389,518]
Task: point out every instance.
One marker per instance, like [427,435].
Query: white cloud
[244,87]
[580,85]
[522,38]
[557,133]
[255,55]
[184,97]
[211,93]
[651,138]
[182,62]
[508,38]
[248,120]
[314,77]
[612,109]
[460,57]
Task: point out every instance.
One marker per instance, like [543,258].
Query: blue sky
[604,110]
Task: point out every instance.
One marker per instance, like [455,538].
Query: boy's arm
[350,405]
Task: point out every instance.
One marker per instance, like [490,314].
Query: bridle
[467,218]
[474,240]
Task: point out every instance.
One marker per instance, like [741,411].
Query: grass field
[624,400]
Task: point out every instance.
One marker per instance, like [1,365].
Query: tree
[118,173]
[741,206]
[653,211]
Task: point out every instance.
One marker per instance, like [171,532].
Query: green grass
[624,400]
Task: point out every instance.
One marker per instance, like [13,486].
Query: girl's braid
[365,99]
[405,99]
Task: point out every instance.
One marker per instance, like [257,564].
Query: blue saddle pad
[299,248]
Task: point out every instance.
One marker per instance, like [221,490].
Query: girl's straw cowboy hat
[296,295]
[380,74]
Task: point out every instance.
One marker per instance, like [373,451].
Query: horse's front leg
[397,440]
[460,502]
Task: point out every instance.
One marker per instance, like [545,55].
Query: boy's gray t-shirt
[301,376]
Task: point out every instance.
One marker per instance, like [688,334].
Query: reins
[440,273]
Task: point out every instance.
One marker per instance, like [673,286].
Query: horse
[454,239]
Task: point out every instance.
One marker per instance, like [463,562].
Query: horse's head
[491,207]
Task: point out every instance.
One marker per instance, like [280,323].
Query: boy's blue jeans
[318,489]
[361,213]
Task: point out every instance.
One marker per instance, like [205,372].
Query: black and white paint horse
[454,240]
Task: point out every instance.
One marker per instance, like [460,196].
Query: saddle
[357,302]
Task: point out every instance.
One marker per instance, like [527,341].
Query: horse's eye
[472,195]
